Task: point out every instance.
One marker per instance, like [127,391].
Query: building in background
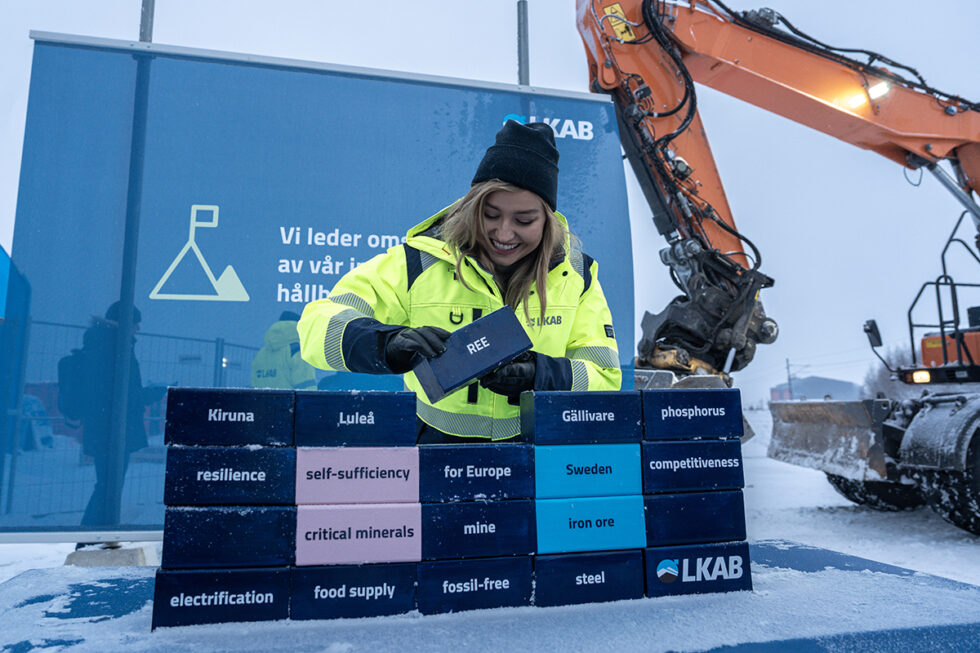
[816,387]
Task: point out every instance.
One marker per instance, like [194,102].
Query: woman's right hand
[405,348]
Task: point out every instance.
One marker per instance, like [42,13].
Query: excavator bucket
[838,437]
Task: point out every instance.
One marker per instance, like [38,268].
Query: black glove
[514,377]
[407,347]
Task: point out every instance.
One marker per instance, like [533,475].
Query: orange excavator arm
[647,54]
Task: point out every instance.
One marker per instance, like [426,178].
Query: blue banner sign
[178,208]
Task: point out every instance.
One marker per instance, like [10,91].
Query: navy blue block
[456,585]
[469,472]
[692,465]
[226,476]
[185,597]
[355,419]
[581,417]
[222,416]
[246,536]
[352,591]
[698,568]
[478,529]
[682,413]
[694,517]
[471,352]
[588,578]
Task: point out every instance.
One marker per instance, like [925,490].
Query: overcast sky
[843,233]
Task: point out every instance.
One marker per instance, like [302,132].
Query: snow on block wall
[588,578]
[357,475]
[470,472]
[586,470]
[477,529]
[581,417]
[457,585]
[698,568]
[208,416]
[352,591]
[240,536]
[694,517]
[472,351]
[224,476]
[189,597]
[355,419]
[684,413]
[692,465]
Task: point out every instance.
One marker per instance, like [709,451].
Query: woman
[502,244]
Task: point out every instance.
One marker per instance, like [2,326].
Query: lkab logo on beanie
[526,156]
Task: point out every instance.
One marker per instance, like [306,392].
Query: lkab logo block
[208,416]
[581,417]
[698,568]
[355,419]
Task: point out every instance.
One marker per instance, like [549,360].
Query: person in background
[502,244]
[279,364]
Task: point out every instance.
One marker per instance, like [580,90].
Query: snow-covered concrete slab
[805,598]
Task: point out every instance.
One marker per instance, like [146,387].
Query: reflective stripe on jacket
[416,284]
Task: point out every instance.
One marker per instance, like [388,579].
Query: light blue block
[590,524]
[587,470]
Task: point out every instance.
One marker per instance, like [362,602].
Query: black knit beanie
[526,156]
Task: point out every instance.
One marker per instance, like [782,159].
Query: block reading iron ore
[686,413]
[692,465]
[694,517]
[249,536]
[357,475]
[355,419]
[471,472]
[588,577]
[471,352]
[232,417]
[353,591]
[228,476]
[457,585]
[586,470]
[187,597]
[581,417]
[698,568]
[589,524]
[477,529]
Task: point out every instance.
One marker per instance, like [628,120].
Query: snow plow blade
[837,437]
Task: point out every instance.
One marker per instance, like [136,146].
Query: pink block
[357,475]
[355,534]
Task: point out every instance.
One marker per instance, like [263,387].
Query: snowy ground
[781,502]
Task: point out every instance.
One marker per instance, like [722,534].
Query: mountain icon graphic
[667,571]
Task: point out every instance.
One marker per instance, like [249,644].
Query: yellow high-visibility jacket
[416,284]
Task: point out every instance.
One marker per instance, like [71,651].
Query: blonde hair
[463,229]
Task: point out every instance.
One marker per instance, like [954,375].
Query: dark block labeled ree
[694,517]
[477,529]
[230,417]
[581,417]
[683,413]
[590,524]
[218,537]
[228,476]
[472,472]
[588,577]
[184,597]
[692,465]
[457,585]
[586,470]
[352,591]
[698,568]
[471,352]
[355,419]
[327,475]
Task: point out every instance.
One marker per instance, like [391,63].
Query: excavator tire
[878,495]
[955,495]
